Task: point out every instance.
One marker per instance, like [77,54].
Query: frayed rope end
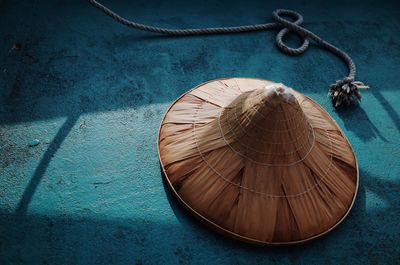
[346,91]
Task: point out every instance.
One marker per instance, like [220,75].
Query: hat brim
[209,180]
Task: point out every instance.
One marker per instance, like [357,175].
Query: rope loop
[290,27]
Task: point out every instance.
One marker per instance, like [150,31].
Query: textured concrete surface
[94,92]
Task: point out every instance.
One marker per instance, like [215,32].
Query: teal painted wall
[94,92]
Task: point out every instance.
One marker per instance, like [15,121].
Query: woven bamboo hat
[258,161]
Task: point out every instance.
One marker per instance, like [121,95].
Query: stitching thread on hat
[266,118]
[268,142]
[260,140]
[253,190]
[266,164]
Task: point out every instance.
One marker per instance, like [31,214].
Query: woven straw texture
[258,161]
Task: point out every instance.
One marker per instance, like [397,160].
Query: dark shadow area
[44,163]
[110,67]
[92,239]
[41,239]
[356,120]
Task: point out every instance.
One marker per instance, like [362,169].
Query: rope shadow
[388,107]
[356,120]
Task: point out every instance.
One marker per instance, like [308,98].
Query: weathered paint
[94,92]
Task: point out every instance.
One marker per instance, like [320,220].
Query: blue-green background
[94,92]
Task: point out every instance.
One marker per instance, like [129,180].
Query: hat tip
[280,90]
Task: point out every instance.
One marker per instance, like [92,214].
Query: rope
[343,91]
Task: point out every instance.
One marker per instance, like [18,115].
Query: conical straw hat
[258,161]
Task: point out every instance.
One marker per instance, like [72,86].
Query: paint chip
[34,142]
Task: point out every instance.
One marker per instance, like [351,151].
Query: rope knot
[293,27]
[346,91]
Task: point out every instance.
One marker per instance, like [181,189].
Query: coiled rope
[343,91]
